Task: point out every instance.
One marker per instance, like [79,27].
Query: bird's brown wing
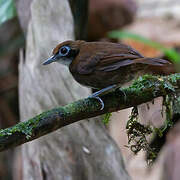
[104,57]
[114,63]
[100,62]
[109,57]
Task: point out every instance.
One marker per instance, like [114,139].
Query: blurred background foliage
[7,10]
[170,53]
[11,40]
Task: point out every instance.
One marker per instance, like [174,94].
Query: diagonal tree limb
[144,89]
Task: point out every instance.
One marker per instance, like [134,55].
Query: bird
[106,66]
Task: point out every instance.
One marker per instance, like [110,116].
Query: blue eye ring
[64,50]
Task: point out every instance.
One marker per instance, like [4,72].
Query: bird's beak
[50,60]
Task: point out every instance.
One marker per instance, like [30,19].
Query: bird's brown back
[105,56]
[100,64]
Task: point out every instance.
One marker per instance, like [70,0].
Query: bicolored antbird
[106,66]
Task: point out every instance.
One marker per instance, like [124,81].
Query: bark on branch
[146,88]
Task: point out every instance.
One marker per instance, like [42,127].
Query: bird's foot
[99,99]
[102,92]
[105,91]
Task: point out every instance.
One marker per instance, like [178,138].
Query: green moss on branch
[142,90]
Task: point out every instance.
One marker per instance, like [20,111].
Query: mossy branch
[144,89]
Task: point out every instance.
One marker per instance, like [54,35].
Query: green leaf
[106,118]
[169,52]
[7,10]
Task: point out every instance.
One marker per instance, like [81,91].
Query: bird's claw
[99,99]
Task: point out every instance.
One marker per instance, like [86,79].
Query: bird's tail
[158,66]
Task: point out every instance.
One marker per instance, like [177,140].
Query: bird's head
[65,52]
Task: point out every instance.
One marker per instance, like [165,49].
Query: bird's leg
[105,91]
[102,92]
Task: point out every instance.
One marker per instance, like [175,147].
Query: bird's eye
[64,51]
